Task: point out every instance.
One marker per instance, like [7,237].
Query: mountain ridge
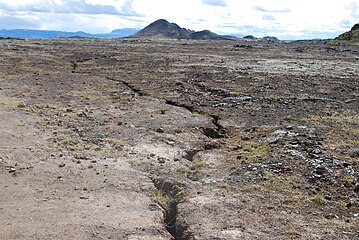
[352,35]
[163,29]
[29,33]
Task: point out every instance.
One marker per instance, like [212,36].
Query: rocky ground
[136,139]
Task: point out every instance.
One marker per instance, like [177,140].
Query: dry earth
[135,139]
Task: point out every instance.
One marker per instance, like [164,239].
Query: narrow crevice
[220,129]
[191,153]
[217,132]
[173,193]
[188,107]
[128,85]
[74,66]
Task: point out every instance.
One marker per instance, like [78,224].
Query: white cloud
[282,18]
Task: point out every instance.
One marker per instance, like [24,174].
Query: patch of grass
[292,200]
[342,129]
[339,42]
[14,105]
[251,150]
[184,170]
[251,145]
[281,183]
[76,147]
[318,199]
[223,185]
[19,125]
[292,233]
[70,141]
[270,176]
[44,122]
[341,119]
[8,164]
[117,144]
[94,95]
[161,198]
[338,223]
[198,163]
[47,111]
[254,187]
[341,203]
[181,194]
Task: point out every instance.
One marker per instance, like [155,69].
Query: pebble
[160,130]
[62,165]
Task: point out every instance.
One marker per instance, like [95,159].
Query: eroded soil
[135,139]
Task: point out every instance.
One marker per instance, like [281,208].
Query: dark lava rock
[354,152]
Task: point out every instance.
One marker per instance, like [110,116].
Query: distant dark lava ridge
[162,29]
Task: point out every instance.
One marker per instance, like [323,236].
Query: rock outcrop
[352,35]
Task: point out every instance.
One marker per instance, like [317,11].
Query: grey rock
[354,152]
[276,136]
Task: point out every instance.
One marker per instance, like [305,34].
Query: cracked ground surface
[136,139]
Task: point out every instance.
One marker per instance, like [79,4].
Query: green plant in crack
[161,198]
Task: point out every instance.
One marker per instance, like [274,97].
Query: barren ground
[135,139]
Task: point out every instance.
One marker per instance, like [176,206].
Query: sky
[285,19]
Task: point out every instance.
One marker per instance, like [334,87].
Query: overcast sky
[286,19]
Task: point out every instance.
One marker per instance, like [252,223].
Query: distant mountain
[263,39]
[163,29]
[352,35]
[24,33]
[166,30]
[123,32]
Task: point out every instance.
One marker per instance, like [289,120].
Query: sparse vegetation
[318,199]
[292,233]
[274,147]
[161,198]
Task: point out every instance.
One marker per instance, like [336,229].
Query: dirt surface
[136,139]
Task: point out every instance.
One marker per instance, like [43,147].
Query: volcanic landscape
[178,139]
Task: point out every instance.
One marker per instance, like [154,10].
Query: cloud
[262,9]
[127,9]
[345,23]
[354,10]
[19,21]
[216,3]
[268,18]
[70,7]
